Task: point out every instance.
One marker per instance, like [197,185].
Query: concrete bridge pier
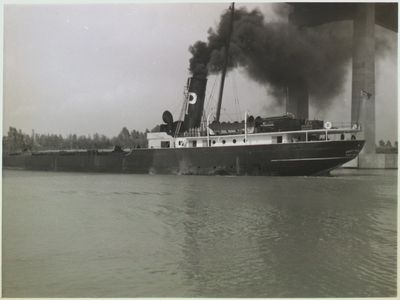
[363,81]
[364,17]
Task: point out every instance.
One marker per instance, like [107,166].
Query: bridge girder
[314,14]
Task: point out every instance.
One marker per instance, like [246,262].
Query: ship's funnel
[195,101]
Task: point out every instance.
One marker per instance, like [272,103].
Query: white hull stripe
[312,158]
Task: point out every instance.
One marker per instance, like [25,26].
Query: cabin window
[213,142]
[180,143]
[194,143]
[279,139]
[165,144]
[234,141]
[223,141]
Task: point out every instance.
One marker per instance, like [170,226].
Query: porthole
[223,142]
[244,140]
[234,141]
[213,142]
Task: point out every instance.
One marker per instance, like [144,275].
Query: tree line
[18,141]
[387,147]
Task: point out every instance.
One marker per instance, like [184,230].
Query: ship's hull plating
[309,158]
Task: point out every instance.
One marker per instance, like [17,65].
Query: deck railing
[202,132]
[346,125]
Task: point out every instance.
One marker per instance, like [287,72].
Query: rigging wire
[237,115]
[211,95]
[235,95]
[182,114]
[176,108]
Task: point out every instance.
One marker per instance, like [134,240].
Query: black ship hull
[298,159]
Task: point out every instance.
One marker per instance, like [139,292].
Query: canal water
[102,235]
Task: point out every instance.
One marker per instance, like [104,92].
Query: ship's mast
[228,41]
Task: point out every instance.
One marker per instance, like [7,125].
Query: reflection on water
[97,235]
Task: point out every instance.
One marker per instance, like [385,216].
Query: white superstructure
[159,140]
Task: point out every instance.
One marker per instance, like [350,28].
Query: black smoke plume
[278,53]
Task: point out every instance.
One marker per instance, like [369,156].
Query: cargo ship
[195,145]
[282,145]
[256,146]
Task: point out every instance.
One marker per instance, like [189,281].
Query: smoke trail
[278,53]
[200,59]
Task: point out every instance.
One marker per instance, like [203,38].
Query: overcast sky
[96,68]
